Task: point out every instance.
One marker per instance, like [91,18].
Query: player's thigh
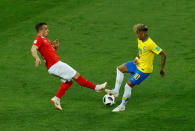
[131,67]
[62,70]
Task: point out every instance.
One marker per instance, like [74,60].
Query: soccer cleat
[119,108]
[100,87]
[56,103]
[112,92]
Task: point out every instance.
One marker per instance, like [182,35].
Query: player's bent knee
[76,76]
[122,68]
[118,69]
[130,84]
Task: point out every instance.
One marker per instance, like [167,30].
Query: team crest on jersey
[157,48]
[144,48]
[35,41]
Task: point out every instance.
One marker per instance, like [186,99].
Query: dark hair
[39,26]
[140,28]
[143,28]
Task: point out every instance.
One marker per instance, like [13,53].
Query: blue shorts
[138,76]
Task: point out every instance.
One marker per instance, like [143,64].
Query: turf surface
[95,37]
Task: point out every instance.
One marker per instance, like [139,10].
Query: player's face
[141,35]
[45,30]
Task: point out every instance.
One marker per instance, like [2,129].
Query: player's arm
[163,61]
[35,55]
[157,50]
[56,44]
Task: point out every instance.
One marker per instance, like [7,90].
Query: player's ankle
[123,103]
[96,88]
[116,91]
[57,98]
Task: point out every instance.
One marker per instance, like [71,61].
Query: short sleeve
[37,42]
[155,48]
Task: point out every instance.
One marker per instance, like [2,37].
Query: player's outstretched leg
[56,99]
[126,96]
[119,79]
[83,82]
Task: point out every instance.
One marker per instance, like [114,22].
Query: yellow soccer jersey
[147,50]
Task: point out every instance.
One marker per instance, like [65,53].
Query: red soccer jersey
[46,50]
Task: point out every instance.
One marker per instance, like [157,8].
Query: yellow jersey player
[140,68]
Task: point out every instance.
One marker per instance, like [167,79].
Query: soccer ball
[109,100]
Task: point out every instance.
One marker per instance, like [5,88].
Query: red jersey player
[55,67]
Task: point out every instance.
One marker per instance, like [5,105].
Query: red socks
[83,82]
[63,88]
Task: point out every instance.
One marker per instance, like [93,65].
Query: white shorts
[63,71]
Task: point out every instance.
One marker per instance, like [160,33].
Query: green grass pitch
[95,37]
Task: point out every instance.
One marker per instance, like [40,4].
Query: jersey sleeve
[155,48]
[37,42]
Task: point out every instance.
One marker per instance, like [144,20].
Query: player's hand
[56,44]
[37,62]
[136,60]
[162,72]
